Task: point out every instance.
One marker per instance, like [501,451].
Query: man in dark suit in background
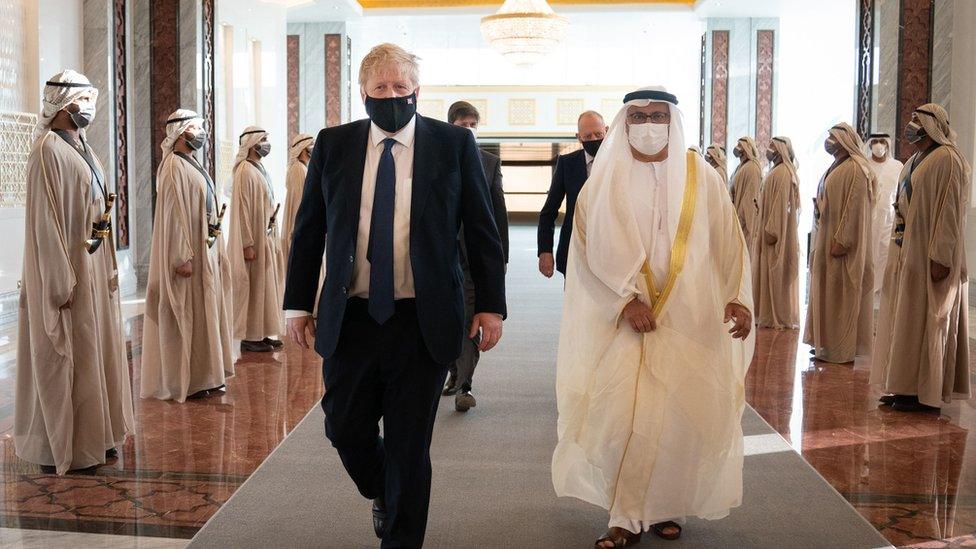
[571,172]
[459,380]
[387,197]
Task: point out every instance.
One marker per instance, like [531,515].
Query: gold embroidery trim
[679,249]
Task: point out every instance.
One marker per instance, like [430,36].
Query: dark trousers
[385,372]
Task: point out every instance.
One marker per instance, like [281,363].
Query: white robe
[649,424]
[73,398]
[886,174]
[187,345]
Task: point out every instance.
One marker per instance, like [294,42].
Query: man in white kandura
[886,171]
[649,381]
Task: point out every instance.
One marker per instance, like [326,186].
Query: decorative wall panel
[432,108]
[164,71]
[914,65]
[765,55]
[609,108]
[521,112]
[293,94]
[208,52]
[333,79]
[14,56]
[865,67]
[15,145]
[121,126]
[720,86]
[482,106]
[568,111]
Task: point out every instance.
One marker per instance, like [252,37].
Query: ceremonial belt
[679,248]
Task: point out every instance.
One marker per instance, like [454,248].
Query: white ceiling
[315,11]
[307,11]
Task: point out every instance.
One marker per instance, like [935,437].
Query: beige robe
[649,424]
[258,284]
[73,396]
[922,346]
[187,338]
[775,262]
[840,311]
[295,186]
[745,185]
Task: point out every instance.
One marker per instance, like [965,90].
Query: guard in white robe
[298,154]
[255,252]
[886,170]
[649,381]
[186,344]
[73,403]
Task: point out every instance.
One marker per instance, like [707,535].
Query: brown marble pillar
[914,66]
[333,79]
[765,63]
[294,97]
[720,86]
[164,22]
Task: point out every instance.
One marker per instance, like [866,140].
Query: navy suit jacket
[449,188]
[567,182]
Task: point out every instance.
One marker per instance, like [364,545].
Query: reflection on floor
[909,474]
[181,464]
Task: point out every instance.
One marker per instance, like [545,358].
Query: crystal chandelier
[524,30]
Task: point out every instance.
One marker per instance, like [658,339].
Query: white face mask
[648,138]
[474,130]
[879,149]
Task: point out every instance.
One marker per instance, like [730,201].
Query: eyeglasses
[658,117]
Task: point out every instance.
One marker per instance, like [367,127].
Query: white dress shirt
[403,151]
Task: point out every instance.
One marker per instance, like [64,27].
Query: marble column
[315,81]
[914,65]
[140,135]
[885,88]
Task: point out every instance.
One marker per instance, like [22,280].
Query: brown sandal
[619,537]
[659,530]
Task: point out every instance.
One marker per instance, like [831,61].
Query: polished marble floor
[910,475]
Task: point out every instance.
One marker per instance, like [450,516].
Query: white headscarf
[934,118]
[784,148]
[299,143]
[59,92]
[176,125]
[884,138]
[851,142]
[615,252]
[251,136]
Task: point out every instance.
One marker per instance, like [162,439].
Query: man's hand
[546,264]
[743,320]
[185,270]
[938,271]
[640,317]
[836,250]
[490,325]
[250,254]
[301,327]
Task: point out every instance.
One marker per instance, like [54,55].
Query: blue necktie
[380,250]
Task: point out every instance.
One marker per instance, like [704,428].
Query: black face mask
[592,146]
[391,114]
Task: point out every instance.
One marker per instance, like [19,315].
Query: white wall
[59,28]
[253,20]
[816,85]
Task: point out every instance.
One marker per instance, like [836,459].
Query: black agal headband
[652,95]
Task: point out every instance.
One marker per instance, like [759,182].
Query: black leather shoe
[464,400]
[275,343]
[914,407]
[379,517]
[451,388]
[256,347]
